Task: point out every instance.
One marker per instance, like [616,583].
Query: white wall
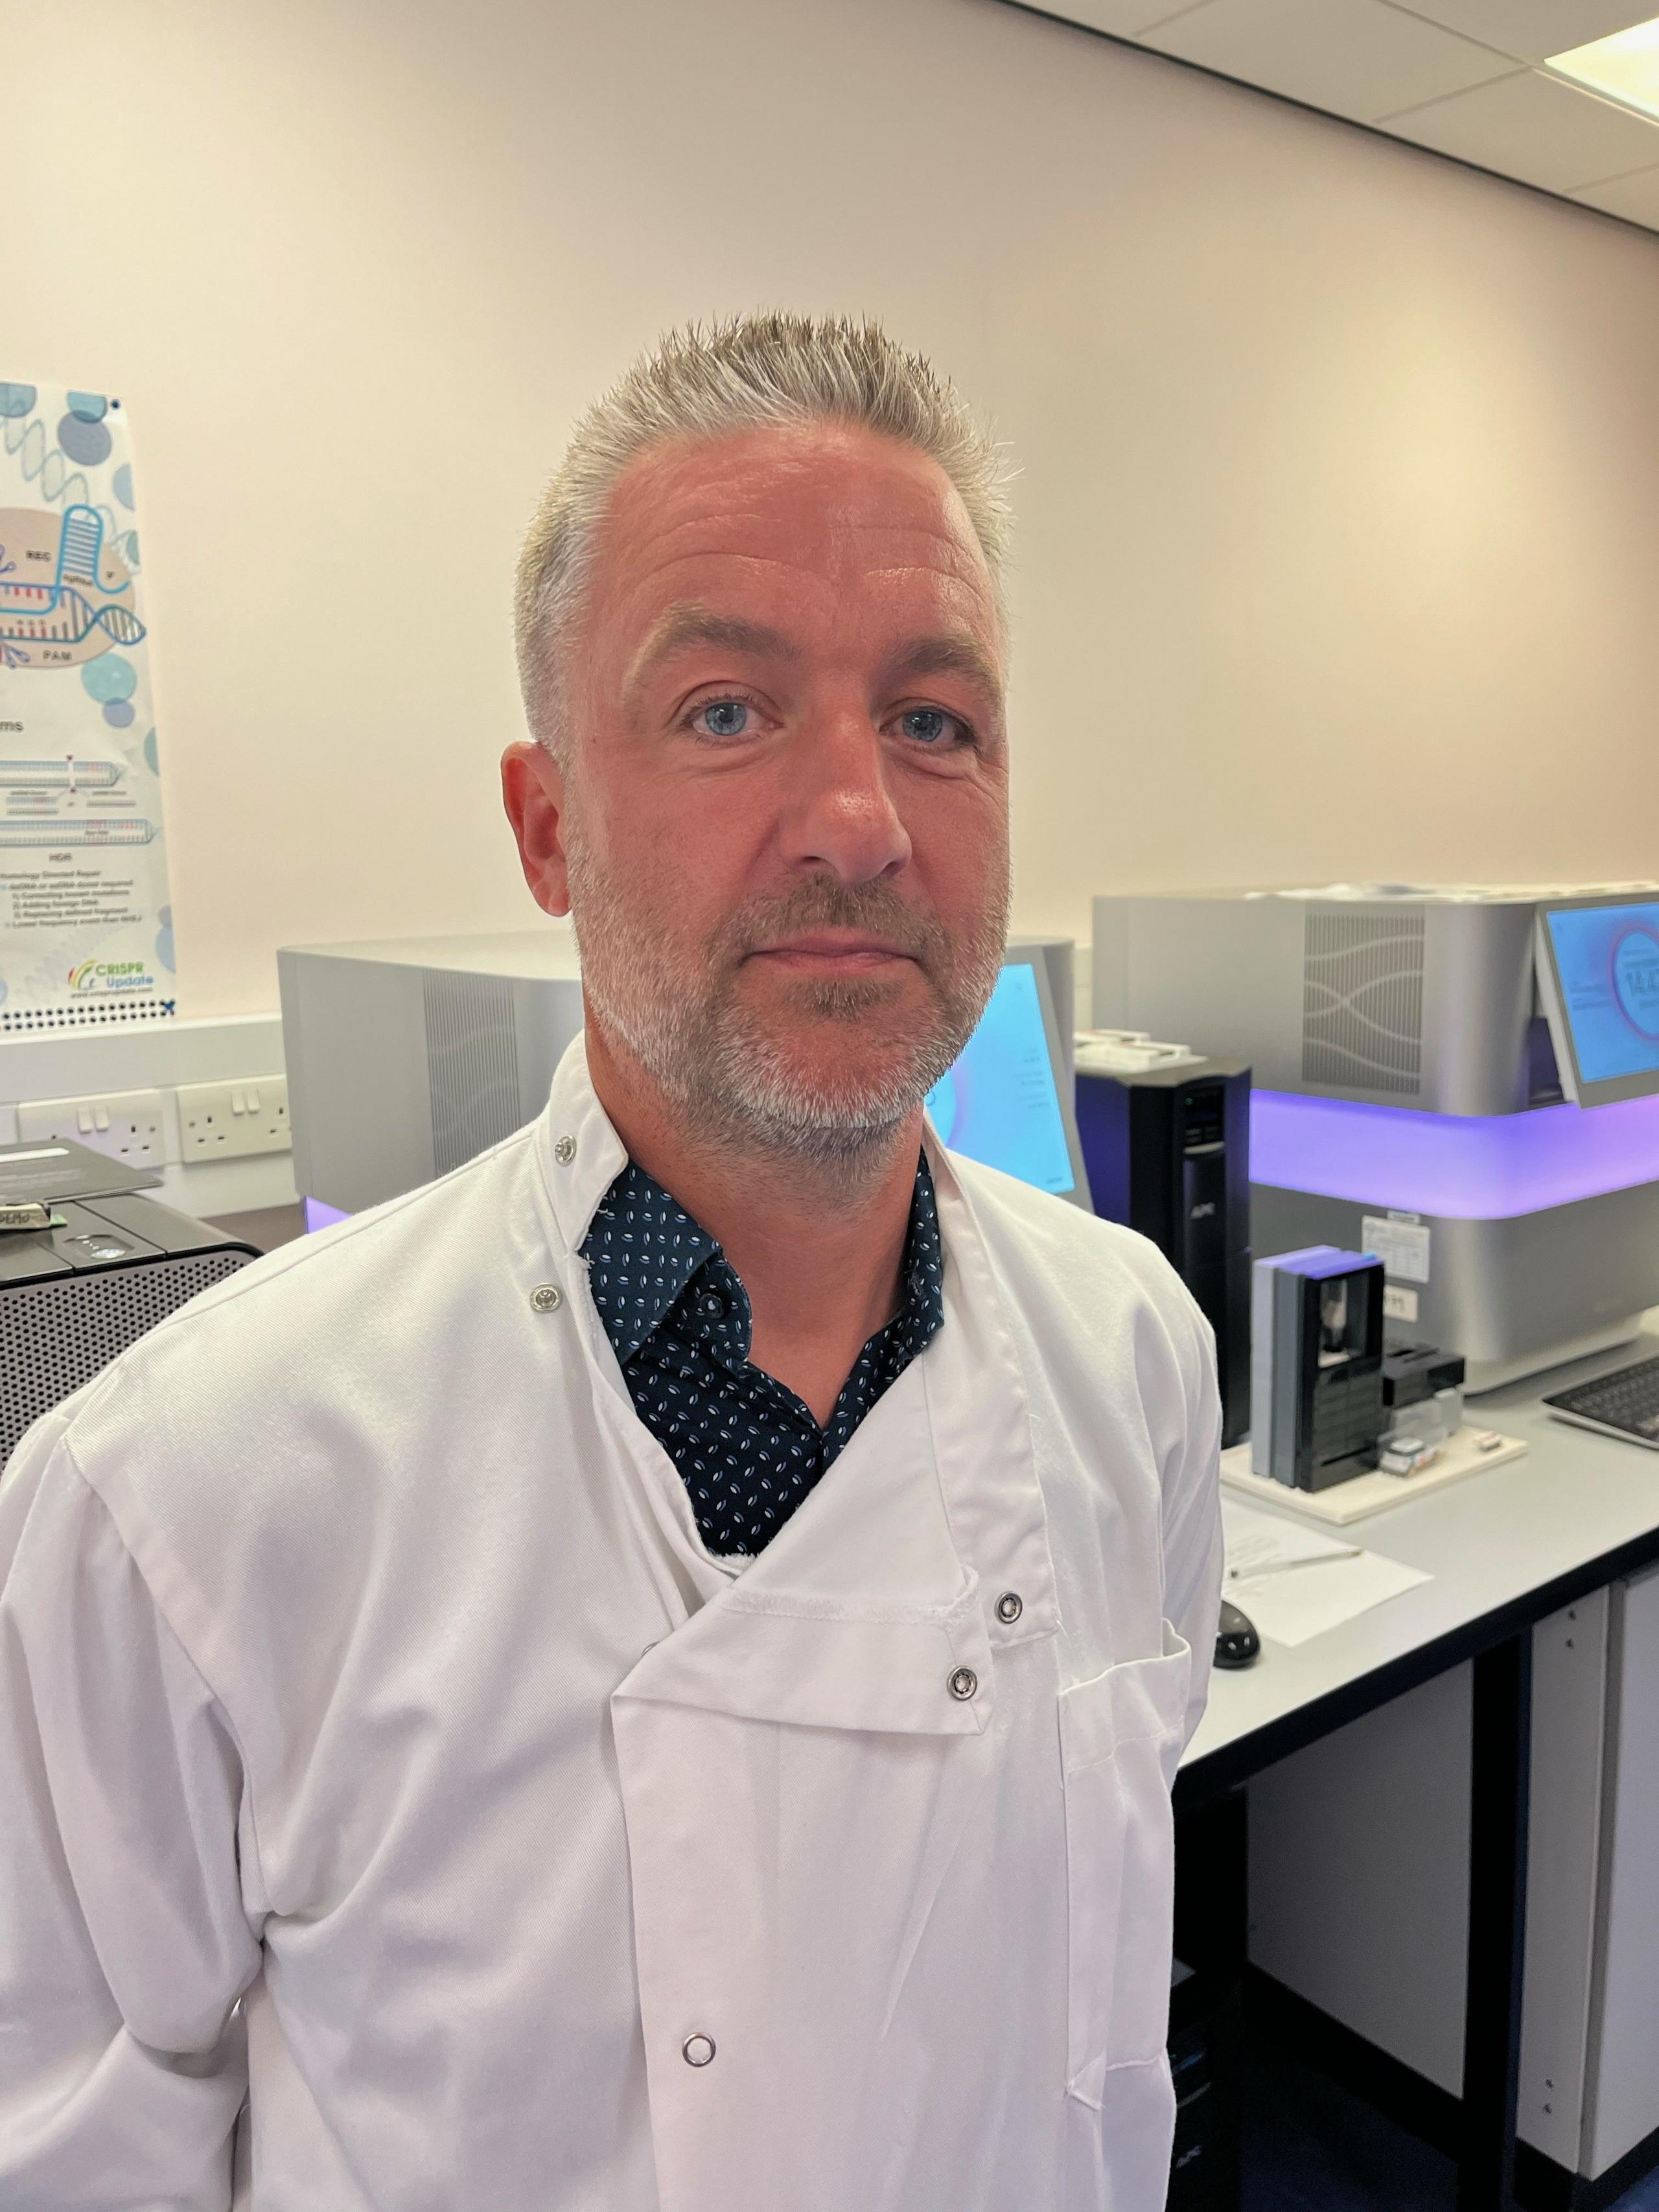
[1339,516]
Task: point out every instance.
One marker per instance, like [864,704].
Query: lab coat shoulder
[1120,1369]
[280,1452]
[1098,1286]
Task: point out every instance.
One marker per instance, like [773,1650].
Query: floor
[1311,2146]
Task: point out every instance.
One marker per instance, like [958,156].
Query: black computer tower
[99,1269]
[1168,1151]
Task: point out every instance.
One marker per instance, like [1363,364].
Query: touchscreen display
[998,1104]
[1607,960]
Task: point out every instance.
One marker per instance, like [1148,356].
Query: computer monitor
[1008,1102]
[1598,975]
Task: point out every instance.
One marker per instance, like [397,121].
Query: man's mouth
[834,951]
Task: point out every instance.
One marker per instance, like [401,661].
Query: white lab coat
[359,1657]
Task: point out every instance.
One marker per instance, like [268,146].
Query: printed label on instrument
[1398,1303]
[1402,1246]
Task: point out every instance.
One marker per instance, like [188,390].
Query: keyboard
[1623,1404]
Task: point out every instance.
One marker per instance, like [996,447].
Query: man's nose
[839,817]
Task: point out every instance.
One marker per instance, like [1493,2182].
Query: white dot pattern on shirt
[679,1320]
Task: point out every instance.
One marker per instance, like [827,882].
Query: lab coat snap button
[1010,1606]
[963,1682]
[697,2050]
[546,1298]
[565,1151]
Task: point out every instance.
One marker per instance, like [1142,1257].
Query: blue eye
[722,718]
[926,725]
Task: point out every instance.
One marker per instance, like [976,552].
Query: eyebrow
[953,654]
[690,624]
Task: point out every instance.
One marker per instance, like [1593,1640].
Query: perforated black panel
[56,1335]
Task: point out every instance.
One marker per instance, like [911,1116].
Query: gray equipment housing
[1513,1295]
[1058,957]
[1427,999]
[408,1056]
[1421,999]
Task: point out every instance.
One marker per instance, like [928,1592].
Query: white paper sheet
[1290,1603]
[86,926]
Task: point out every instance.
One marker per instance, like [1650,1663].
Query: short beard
[734,1078]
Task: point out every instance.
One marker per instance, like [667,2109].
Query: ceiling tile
[1537,128]
[1355,58]
[1634,198]
[1124,18]
[1532,30]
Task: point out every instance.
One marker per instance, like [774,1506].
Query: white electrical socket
[226,1121]
[125,1125]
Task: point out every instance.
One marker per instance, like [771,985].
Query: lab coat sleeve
[1192,1515]
[125,1939]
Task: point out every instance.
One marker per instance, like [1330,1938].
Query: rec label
[1401,1244]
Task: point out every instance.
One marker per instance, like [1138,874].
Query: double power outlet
[216,1121]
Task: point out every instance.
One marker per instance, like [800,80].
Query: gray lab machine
[1462,1080]
[406,1057]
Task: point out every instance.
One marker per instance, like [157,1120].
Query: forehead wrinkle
[742,500]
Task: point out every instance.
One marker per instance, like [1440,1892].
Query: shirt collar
[582,1156]
[642,1249]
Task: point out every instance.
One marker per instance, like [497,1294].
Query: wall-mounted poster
[86,929]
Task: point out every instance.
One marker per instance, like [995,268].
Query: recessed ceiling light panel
[1624,67]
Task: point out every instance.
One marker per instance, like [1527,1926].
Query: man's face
[781,819]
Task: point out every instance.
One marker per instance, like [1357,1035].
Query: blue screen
[1607,960]
[998,1104]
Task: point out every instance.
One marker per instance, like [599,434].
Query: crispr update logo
[110,975]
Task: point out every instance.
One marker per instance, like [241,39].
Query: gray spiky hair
[755,372]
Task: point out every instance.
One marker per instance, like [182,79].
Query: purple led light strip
[1464,1167]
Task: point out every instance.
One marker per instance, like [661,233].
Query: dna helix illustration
[70,621]
[43,464]
[58,614]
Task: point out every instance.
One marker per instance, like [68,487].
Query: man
[644,1676]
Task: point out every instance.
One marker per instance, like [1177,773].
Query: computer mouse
[1237,1642]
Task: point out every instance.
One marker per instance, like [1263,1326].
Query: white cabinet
[1360,1879]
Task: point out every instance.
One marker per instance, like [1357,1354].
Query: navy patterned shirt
[679,1322]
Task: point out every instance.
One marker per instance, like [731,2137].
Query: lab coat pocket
[1119,1738]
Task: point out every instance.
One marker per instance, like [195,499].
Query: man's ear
[532,791]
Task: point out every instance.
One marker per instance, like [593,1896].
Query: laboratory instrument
[1316,1366]
[1166,1140]
[408,1056]
[87,1265]
[1008,1102]
[1417,1054]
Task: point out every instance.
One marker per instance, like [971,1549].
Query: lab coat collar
[580,1152]
[931,1512]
